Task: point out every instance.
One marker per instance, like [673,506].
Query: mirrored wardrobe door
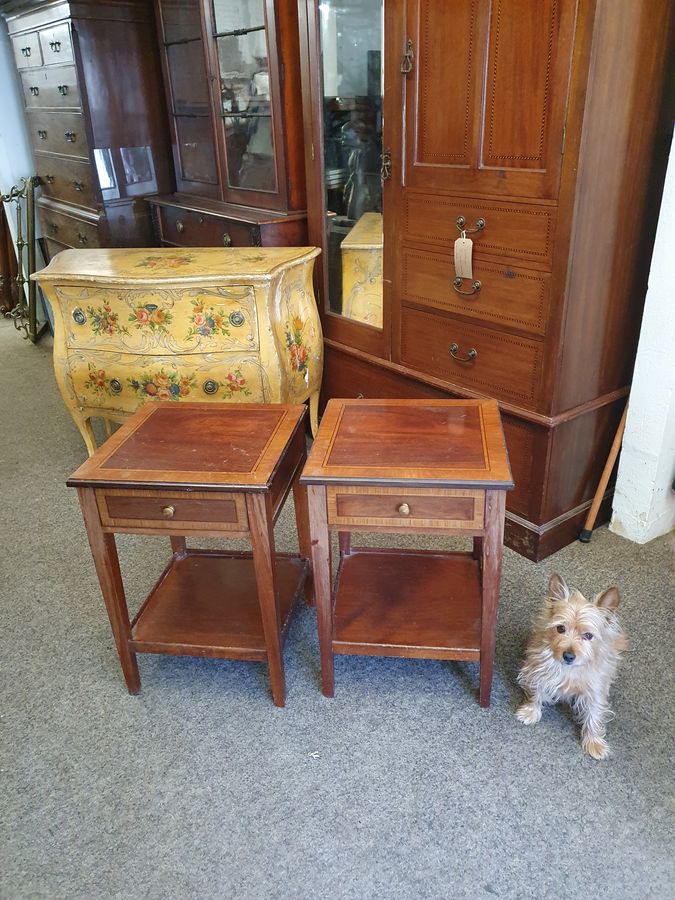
[344,78]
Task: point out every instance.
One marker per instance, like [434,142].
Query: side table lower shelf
[206,604]
[420,604]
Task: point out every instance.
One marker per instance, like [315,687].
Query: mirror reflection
[351,36]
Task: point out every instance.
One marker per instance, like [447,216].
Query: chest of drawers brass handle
[62,89]
[34,91]
[25,51]
[56,46]
[471,355]
[227,240]
[404,509]
[461,225]
[78,185]
[180,228]
[82,238]
[168,511]
[457,285]
[42,134]
[70,136]
[49,179]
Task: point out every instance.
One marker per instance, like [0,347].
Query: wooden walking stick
[587,530]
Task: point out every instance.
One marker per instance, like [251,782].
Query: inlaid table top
[205,446]
[430,442]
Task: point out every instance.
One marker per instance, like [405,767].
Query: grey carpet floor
[399,787]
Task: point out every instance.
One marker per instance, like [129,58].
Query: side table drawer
[405,508]
[169,510]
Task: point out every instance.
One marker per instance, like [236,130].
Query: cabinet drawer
[56,44]
[502,294]
[68,230]
[58,132]
[505,366]
[520,231]
[122,381]
[26,48]
[170,510]
[155,320]
[65,178]
[405,508]
[188,228]
[55,88]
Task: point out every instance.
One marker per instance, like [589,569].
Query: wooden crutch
[587,530]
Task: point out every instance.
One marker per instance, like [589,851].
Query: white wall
[644,502]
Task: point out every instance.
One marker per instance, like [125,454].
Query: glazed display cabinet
[232,84]
[536,144]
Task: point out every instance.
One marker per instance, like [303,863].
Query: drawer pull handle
[404,509]
[79,318]
[237,318]
[457,284]
[461,225]
[115,386]
[42,134]
[53,227]
[227,240]
[62,89]
[190,145]
[56,46]
[49,179]
[168,511]
[210,387]
[79,185]
[82,238]
[70,136]
[471,355]
[25,51]
[180,228]
[34,91]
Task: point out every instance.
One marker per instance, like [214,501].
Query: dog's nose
[569,657]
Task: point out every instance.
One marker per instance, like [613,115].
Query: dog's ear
[557,589]
[608,599]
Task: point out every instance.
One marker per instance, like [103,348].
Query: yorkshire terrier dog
[572,655]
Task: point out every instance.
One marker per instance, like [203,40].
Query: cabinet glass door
[245,100]
[352,57]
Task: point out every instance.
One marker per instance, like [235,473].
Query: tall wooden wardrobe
[530,126]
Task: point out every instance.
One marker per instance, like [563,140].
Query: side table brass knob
[404,509]
[168,511]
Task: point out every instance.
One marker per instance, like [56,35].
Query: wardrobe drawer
[26,48]
[412,508]
[58,132]
[55,88]
[523,231]
[56,44]
[502,294]
[68,230]
[168,510]
[188,228]
[490,362]
[66,178]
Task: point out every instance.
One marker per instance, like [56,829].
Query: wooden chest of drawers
[136,325]
[98,148]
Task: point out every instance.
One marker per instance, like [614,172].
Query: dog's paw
[596,747]
[528,714]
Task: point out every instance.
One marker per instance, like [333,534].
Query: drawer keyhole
[168,511]
[404,509]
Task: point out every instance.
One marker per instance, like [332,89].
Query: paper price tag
[463,251]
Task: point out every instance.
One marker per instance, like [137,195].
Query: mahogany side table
[211,470]
[408,466]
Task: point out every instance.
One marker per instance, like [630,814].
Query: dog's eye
[560,629]
[587,636]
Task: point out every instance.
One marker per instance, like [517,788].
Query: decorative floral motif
[105,321]
[297,346]
[163,386]
[97,380]
[207,320]
[151,316]
[166,262]
[236,384]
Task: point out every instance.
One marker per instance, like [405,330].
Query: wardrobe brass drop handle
[25,51]
[472,354]
[70,136]
[49,179]
[168,511]
[404,509]
[461,225]
[34,91]
[457,284]
[79,185]
[180,228]
[42,134]
[82,238]
[227,240]
[63,89]
[56,46]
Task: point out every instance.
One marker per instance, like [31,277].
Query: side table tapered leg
[302,525]
[493,550]
[318,523]
[259,507]
[104,552]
